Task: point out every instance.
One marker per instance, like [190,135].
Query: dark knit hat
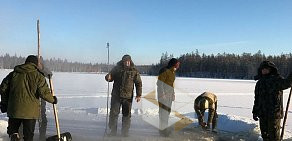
[32,59]
[172,62]
[126,58]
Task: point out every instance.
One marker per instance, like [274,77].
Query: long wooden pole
[43,119]
[39,46]
[55,109]
[286,115]
[108,89]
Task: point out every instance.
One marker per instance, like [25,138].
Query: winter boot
[214,131]
[112,133]
[125,133]
[15,137]
[207,128]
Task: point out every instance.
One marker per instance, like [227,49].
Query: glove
[108,77]
[255,117]
[3,107]
[138,98]
[203,124]
[55,100]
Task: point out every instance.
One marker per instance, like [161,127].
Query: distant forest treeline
[9,62]
[224,65]
[60,65]
[193,64]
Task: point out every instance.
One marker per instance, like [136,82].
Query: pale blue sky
[79,29]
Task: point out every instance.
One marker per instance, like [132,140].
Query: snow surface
[82,109]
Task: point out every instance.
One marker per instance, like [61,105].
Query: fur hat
[126,58]
[267,64]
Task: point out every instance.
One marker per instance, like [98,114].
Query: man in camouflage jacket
[203,102]
[125,76]
[268,102]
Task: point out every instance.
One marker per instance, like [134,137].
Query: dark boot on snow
[125,133]
[15,137]
[112,133]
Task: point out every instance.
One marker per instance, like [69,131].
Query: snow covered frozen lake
[82,106]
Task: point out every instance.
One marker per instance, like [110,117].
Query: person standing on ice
[203,102]
[268,102]
[165,93]
[21,91]
[125,76]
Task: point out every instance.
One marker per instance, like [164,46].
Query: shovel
[59,137]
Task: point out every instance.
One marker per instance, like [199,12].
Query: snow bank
[233,123]
[229,123]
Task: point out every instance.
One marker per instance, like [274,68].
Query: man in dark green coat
[268,102]
[165,94]
[21,91]
[125,76]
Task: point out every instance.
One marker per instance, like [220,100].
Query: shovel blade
[64,137]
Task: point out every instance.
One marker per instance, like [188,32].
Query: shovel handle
[286,114]
[55,110]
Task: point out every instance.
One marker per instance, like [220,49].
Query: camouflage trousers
[116,104]
[164,111]
[212,117]
[270,128]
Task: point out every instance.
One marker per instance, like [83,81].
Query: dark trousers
[116,103]
[28,127]
[164,111]
[270,128]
